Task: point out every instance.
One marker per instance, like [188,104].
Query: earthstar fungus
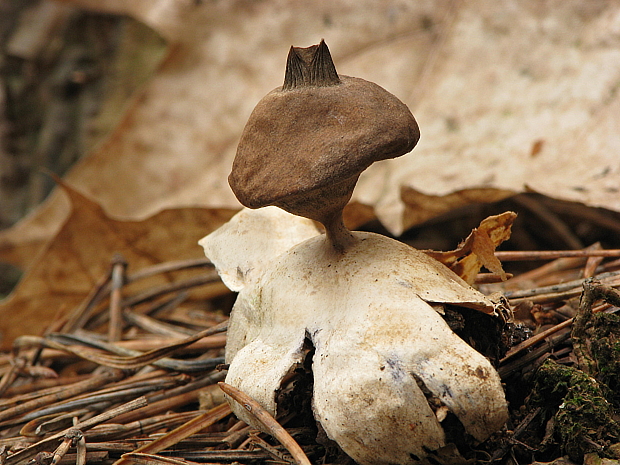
[387,368]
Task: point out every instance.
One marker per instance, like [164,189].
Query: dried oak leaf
[80,253]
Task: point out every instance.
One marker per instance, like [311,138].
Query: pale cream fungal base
[368,313]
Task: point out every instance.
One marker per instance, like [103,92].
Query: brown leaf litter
[66,271]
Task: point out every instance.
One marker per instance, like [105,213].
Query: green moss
[603,332]
[581,415]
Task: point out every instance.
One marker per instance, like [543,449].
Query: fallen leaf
[478,249]
[81,252]
[23,242]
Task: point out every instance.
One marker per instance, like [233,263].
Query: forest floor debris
[146,391]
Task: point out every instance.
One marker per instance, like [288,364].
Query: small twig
[217,288]
[114,394]
[71,439]
[44,425]
[215,341]
[548,298]
[18,394]
[236,437]
[61,450]
[167,305]
[523,255]
[547,269]
[80,450]
[535,355]
[195,385]
[17,364]
[611,265]
[263,417]
[115,326]
[148,425]
[592,263]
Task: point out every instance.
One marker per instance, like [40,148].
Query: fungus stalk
[325,205]
[337,234]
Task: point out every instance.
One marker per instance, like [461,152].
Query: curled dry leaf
[379,343]
[478,249]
